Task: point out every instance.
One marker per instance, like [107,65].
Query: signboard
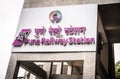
[57,29]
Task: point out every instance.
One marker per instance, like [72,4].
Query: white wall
[117,52]
[9,16]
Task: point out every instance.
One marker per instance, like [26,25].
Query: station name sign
[56,38]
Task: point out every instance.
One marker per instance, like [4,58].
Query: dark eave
[110,17]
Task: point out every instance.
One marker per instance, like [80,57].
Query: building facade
[98,64]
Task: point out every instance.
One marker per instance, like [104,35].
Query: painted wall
[82,19]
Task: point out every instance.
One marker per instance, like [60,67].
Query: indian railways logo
[55,16]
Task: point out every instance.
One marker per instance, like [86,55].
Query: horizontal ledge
[112,28]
